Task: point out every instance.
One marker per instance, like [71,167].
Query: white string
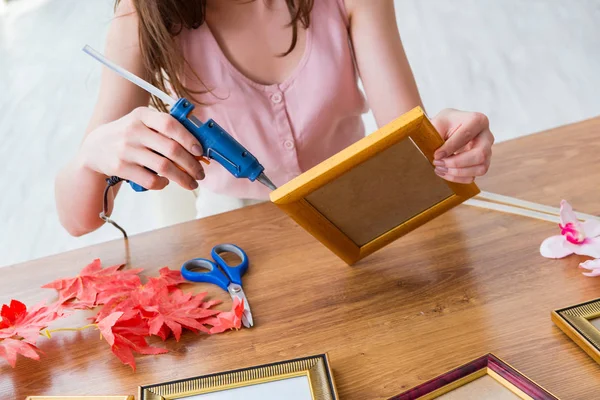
[512,210]
[530,205]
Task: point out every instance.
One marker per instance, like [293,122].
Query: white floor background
[528,64]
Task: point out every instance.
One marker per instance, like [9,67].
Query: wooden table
[468,283]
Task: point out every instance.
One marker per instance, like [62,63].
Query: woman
[279,75]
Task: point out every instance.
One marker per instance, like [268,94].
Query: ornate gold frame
[315,368]
[291,198]
[575,322]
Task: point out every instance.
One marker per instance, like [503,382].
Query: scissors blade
[236,291]
[247,318]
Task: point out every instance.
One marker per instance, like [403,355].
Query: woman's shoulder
[350,7]
[328,8]
[125,8]
[122,41]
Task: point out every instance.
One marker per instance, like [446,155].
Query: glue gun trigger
[203,159]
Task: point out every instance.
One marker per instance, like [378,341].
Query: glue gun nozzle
[262,178]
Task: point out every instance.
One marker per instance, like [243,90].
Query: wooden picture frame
[487,377]
[312,375]
[581,323]
[350,202]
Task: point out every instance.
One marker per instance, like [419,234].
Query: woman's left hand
[467,150]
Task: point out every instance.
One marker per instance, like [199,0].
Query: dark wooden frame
[488,364]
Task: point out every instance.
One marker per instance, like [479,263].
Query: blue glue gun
[216,143]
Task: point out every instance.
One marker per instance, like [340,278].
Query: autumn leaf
[11,313]
[10,348]
[126,333]
[116,288]
[177,310]
[114,305]
[20,328]
[148,295]
[211,303]
[140,296]
[92,279]
[19,323]
[129,312]
[169,277]
[225,321]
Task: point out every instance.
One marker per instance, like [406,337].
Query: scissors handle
[209,272]
[235,272]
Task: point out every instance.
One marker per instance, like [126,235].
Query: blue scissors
[218,272]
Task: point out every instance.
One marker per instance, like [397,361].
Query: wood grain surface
[468,283]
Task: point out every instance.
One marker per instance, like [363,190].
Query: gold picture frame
[578,323]
[350,202]
[317,385]
[487,377]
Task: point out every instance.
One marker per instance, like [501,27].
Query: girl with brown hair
[281,76]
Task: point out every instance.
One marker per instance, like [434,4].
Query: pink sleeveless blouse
[291,126]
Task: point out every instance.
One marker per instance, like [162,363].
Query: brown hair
[161,20]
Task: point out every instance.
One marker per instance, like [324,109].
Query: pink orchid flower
[576,237]
[593,266]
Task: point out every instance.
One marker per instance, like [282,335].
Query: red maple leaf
[20,329]
[177,310]
[211,303]
[11,313]
[126,332]
[165,307]
[17,322]
[92,279]
[9,348]
[116,288]
[128,298]
[130,311]
[114,305]
[225,321]
[169,277]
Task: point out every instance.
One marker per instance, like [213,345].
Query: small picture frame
[306,378]
[487,377]
[374,191]
[581,323]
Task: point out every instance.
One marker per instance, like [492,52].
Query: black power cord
[110,182]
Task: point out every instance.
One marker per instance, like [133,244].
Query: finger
[477,170]
[174,152]
[467,147]
[143,177]
[168,126]
[163,167]
[480,153]
[463,135]
[456,179]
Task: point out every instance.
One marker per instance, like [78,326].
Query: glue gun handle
[137,187]
[217,144]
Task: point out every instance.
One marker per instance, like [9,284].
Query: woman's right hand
[124,147]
